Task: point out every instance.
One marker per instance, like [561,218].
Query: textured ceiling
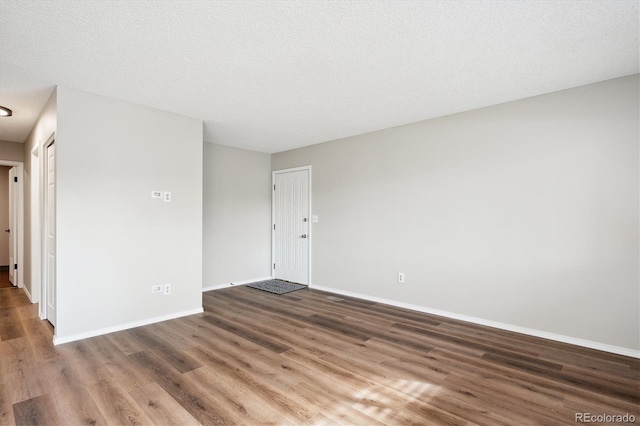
[275,75]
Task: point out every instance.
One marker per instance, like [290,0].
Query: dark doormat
[276,286]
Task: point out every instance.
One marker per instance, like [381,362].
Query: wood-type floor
[307,357]
[4,279]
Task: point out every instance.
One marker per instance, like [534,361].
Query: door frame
[20,222]
[42,252]
[273,217]
[35,226]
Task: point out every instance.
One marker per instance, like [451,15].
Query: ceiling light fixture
[5,112]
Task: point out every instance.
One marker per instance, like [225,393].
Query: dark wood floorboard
[308,357]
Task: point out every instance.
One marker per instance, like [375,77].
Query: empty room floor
[307,357]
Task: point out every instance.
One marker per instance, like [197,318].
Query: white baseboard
[126,326]
[227,285]
[26,291]
[503,326]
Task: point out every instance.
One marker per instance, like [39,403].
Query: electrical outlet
[157,194]
[156,289]
[167,289]
[167,197]
[400,277]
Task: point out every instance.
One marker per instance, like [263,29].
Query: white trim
[34,224]
[41,252]
[21,262]
[44,294]
[235,283]
[273,215]
[292,169]
[495,324]
[20,254]
[126,326]
[26,291]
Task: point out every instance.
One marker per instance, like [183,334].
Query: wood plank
[75,406]
[160,407]
[509,380]
[6,407]
[126,374]
[36,411]
[560,354]
[248,408]
[117,406]
[84,361]
[20,369]
[278,371]
[39,334]
[12,297]
[126,343]
[10,324]
[175,357]
[198,403]
[245,333]
[334,409]
[287,405]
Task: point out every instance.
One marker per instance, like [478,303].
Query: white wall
[113,240]
[237,215]
[4,215]
[524,213]
[11,151]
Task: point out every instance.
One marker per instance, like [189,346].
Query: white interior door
[291,226]
[50,232]
[13,225]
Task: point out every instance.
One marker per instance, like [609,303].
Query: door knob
[7,230]
[304,235]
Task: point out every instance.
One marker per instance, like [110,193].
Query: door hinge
[15,179]
[274,187]
[274,226]
[15,266]
[274,266]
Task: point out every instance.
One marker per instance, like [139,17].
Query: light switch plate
[167,197]
[157,194]
[314,218]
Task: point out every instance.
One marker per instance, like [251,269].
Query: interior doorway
[49,240]
[13,232]
[13,226]
[4,227]
[291,230]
